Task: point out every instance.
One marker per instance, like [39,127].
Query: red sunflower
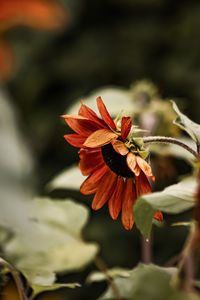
[116,172]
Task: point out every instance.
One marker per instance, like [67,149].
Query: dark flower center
[115,161]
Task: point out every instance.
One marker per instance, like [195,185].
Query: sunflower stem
[146,249]
[169,140]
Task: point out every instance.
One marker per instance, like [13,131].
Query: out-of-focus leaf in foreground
[174,199]
[145,282]
[97,276]
[16,169]
[71,178]
[39,288]
[192,128]
[148,282]
[54,244]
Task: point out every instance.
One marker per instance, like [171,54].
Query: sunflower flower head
[113,158]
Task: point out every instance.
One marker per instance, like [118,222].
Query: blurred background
[52,54]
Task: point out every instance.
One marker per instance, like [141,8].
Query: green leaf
[145,282]
[54,244]
[174,199]
[143,215]
[192,128]
[180,295]
[37,289]
[71,178]
[113,273]
[190,224]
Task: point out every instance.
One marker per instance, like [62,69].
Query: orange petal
[77,117]
[125,127]
[119,147]
[88,113]
[75,140]
[81,125]
[127,204]
[100,138]
[106,188]
[144,166]
[105,114]
[142,185]
[38,14]
[115,202]
[132,163]
[90,185]
[89,161]
[7,60]
[158,216]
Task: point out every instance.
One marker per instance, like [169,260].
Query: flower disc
[116,162]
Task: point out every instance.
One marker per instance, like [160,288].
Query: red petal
[88,113]
[119,147]
[158,216]
[76,117]
[144,166]
[115,202]
[100,138]
[131,161]
[90,185]
[125,127]
[89,160]
[127,205]
[38,14]
[81,125]
[106,188]
[105,114]
[75,140]
[142,185]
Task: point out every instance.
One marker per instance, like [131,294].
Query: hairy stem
[169,140]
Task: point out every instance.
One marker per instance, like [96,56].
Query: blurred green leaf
[16,169]
[180,295]
[183,224]
[192,128]
[112,273]
[173,199]
[71,178]
[37,289]
[54,244]
[145,282]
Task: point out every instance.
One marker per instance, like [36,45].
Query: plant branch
[190,253]
[102,267]
[16,278]
[169,140]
